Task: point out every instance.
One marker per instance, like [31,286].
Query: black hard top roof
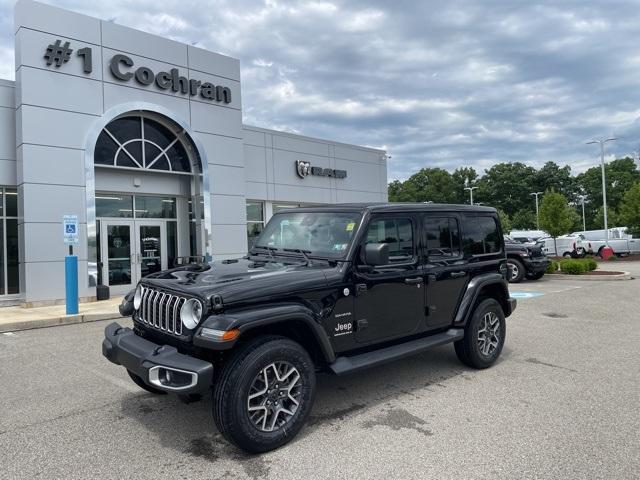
[396,207]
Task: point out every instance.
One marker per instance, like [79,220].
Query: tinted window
[481,236]
[397,232]
[442,237]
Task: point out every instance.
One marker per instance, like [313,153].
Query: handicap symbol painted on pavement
[525,294]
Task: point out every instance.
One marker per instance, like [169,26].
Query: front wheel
[264,394]
[484,335]
[517,270]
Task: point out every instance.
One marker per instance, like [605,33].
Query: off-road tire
[138,381]
[517,266]
[535,276]
[468,349]
[231,392]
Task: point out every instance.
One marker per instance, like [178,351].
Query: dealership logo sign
[304,169]
[122,68]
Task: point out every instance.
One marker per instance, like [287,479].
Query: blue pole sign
[70,237]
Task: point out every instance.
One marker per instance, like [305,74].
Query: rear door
[445,268]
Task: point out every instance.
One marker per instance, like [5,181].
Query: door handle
[458,274]
[414,280]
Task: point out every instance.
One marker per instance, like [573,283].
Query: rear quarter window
[481,236]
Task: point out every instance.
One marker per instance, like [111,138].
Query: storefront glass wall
[9,245]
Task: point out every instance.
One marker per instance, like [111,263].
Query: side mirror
[376,254]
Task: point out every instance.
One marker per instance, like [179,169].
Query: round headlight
[190,313]
[137,298]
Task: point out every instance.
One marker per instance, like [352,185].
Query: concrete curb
[56,321]
[590,278]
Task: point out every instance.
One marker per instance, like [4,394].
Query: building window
[9,246]
[277,207]
[140,142]
[255,221]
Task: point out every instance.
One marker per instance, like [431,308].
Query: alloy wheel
[274,396]
[515,271]
[489,334]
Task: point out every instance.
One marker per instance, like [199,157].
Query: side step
[344,365]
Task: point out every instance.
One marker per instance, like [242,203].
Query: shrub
[612,258]
[572,267]
[552,267]
[590,263]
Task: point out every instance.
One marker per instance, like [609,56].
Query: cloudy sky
[435,83]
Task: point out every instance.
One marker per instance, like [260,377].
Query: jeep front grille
[161,310]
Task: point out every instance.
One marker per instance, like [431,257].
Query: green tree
[613,219]
[505,221]
[556,216]
[507,186]
[427,185]
[551,176]
[621,175]
[524,220]
[630,210]
[463,177]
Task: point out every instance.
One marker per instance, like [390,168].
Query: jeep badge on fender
[333,289]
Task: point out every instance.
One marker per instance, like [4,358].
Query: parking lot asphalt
[562,402]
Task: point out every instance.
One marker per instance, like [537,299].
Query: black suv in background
[334,289]
[525,260]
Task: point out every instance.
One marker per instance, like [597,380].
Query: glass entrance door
[131,250]
[117,255]
[151,254]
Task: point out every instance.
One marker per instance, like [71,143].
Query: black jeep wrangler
[524,260]
[325,289]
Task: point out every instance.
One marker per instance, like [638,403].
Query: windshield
[315,233]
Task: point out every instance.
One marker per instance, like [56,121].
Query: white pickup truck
[572,245]
[619,240]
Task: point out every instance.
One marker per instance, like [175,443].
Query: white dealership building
[141,138]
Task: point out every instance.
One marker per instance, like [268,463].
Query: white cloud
[465,83]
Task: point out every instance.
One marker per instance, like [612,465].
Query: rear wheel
[535,276]
[264,394]
[138,381]
[484,335]
[517,270]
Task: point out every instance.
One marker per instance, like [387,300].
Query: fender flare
[247,320]
[474,287]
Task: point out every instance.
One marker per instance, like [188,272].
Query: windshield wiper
[301,252]
[268,249]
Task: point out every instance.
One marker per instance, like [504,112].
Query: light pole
[604,185]
[537,213]
[584,224]
[471,189]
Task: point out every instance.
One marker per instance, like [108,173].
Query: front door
[151,247]
[390,298]
[131,250]
[117,239]
[445,268]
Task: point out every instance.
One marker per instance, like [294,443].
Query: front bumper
[159,366]
[536,264]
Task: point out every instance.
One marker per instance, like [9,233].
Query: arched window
[141,142]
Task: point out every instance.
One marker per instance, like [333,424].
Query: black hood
[242,280]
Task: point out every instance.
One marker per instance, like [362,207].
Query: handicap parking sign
[70,229]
